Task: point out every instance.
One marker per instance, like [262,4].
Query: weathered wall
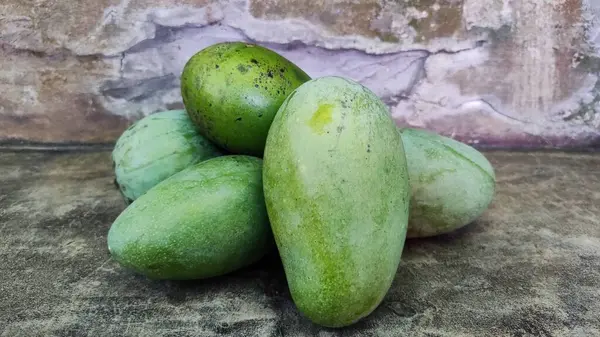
[489,72]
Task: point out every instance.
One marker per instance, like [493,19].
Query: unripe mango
[232,91]
[207,220]
[452,183]
[336,188]
[156,147]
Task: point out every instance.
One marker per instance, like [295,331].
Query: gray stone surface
[530,266]
[489,72]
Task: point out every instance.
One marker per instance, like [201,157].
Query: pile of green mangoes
[264,157]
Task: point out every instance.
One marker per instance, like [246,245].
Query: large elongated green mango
[452,183]
[156,147]
[207,220]
[336,187]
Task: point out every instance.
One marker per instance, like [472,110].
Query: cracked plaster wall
[488,72]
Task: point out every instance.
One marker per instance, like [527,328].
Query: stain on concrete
[341,17]
[436,18]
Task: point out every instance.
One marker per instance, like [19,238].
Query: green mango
[207,220]
[156,147]
[232,91]
[336,188]
[452,183]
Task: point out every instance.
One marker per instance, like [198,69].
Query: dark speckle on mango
[432,153]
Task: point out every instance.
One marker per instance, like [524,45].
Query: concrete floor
[529,267]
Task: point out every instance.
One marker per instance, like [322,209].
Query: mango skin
[452,183]
[207,220]
[156,147]
[336,188]
[232,91]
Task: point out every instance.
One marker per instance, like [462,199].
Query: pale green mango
[452,183]
[336,188]
[204,221]
[156,147]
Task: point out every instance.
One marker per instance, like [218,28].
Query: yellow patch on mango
[321,118]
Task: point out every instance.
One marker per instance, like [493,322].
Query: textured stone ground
[529,267]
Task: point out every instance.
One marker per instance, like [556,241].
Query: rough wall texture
[489,72]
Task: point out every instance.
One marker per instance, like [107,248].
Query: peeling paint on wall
[490,72]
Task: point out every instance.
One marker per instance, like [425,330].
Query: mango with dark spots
[232,91]
[452,183]
[336,189]
[207,220]
[156,147]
